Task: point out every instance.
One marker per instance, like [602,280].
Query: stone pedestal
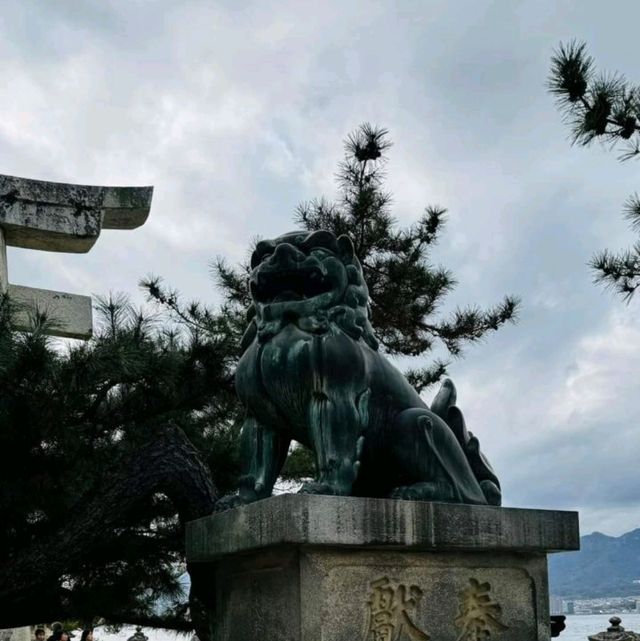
[321,568]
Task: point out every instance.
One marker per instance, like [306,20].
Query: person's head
[64,635]
[39,634]
[87,634]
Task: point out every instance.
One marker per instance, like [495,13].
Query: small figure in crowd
[56,628]
[59,634]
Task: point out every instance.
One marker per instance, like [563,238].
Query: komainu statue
[311,372]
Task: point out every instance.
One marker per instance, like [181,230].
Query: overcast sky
[235,112]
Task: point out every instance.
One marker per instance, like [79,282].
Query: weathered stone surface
[61,217]
[303,519]
[71,314]
[320,568]
[17,634]
[64,217]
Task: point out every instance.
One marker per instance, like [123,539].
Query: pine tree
[406,289]
[603,107]
[107,450]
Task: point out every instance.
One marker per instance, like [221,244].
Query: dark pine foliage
[104,456]
[604,107]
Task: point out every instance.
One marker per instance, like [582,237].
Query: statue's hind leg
[427,461]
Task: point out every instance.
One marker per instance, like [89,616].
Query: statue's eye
[266,256]
[318,252]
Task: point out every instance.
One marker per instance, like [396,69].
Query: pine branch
[405,289]
[604,107]
[193,316]
[423,378]
[571,71]
[619,272]
[234,282]
[632,211]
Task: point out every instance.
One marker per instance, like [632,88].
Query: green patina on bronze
[311,372]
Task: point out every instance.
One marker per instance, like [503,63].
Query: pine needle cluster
[603,107]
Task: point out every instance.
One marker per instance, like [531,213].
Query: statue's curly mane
[350,313]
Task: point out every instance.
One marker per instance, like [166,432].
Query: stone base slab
[308,568]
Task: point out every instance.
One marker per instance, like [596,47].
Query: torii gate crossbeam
[62,217]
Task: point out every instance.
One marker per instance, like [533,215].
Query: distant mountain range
[604,566]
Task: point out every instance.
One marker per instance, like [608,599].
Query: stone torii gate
[61,217]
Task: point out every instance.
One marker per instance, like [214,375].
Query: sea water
[580,626]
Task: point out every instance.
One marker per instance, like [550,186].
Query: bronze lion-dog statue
[311,372]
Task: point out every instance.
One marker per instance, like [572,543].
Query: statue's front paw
[314,487]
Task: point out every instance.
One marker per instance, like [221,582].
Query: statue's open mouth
[276,286]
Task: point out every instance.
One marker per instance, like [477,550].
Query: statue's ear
[262,248]
[345,249]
